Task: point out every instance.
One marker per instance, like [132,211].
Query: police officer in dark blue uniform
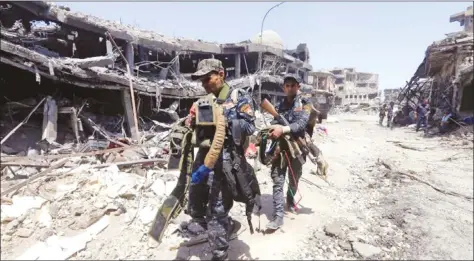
[211,196]
[296,110]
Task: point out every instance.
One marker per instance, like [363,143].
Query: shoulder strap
[224,94]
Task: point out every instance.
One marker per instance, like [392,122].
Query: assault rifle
[310,150]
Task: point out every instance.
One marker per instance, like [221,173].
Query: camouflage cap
[206,66]
[294,77]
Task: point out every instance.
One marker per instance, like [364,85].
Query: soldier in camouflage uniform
[296,110]
[210,198]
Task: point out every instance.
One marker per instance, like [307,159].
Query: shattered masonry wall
[354,87]
[75,49]
[445,75]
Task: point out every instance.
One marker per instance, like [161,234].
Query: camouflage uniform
[212,200]
[297,114]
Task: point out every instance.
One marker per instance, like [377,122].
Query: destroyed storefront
[444,77]
[65,79]
[66,84]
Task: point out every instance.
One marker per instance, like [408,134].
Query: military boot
[234,227]
[276,223]
[197,226]
[219,255]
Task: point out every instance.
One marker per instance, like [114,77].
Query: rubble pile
[81,199]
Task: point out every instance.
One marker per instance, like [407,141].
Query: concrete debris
[20,206]
[61,248]
[365,250]
[445,79]
[334,230]
[75,159]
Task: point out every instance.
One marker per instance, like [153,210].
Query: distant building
[322,80]
[354,87]
[391,94]
[464,18]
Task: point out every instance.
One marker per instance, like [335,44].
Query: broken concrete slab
[159,187]
[21,205]
[365,250]
[61,248]
[24,232]
[100,61]
[334,230]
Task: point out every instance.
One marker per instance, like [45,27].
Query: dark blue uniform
[215,192]
[422,111]
[297,114]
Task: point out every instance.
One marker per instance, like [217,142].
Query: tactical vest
[240,175]
[205,118]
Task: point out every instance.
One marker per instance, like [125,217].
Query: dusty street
[392,194]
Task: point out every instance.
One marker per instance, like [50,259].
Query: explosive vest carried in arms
[239,174]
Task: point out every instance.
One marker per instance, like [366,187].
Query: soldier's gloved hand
[200,174]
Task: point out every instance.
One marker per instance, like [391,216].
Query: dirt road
[392,194]
[388,197]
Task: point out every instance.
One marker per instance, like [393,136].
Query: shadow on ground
[267,207]
[238,250]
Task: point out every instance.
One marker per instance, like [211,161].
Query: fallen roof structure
[444,75]
[64,49]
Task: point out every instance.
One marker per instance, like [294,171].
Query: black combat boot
[197,226]
[234,227]
[219,255]
[276,223]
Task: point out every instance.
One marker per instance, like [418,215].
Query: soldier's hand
[200,174]
[276,132]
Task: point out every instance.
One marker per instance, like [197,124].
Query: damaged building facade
[354,87]
[94,77]
[391,94]
[322,80]
[445,76]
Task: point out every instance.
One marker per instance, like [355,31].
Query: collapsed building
[445,76]
[96,77]
[354,87]
[391,95]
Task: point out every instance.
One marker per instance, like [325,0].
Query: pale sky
[378,37]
